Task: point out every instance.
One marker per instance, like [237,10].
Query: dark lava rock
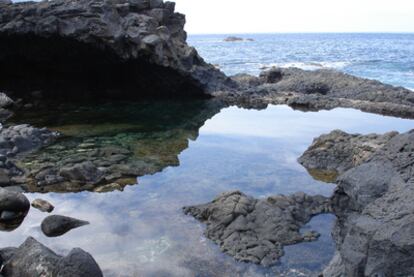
[57,225]
[339,151]
[14,207]
[42,205]
[374,231]
[34,259]
[137,44]
[320,89]
[254,230]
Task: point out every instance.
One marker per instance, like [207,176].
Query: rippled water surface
[142,230]
[385,57]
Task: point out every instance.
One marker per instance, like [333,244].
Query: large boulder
[58,225]
[14,207]
[138,44]
[34,259]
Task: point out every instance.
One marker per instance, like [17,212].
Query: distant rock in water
[234,39]
[57,225]
[133,44]
[34,259]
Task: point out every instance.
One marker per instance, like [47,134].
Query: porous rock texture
[140,44]
[253,230]
[34,259]
[374,231]
[318,90]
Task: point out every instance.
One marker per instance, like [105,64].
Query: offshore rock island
[137,49]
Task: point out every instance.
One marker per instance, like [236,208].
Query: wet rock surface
[373,204]
[320,90]
[338,151]
[43,205]
[139,44]
[14,207]
[253,230]
[34,259]
[58,225]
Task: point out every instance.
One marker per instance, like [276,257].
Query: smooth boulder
[58,225]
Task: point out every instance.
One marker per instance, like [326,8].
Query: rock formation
[254,230]
[320,89]
[135,44]
[373,203]
[58,225]
[14,207]
[34,259]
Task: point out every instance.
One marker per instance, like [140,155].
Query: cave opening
[68,69]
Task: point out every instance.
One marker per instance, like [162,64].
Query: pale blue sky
[267,16]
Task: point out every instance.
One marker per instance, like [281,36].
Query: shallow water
[142,230]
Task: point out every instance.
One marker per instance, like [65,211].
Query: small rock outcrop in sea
[373,203]
[136,44]
[34,259]
[318,90]
[14,207]
[58,225]
[43,205]
[234,39]
[254,230]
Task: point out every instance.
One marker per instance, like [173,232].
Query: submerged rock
[34,259]
[254,230]
[43,205]
[136,44]
[57,225]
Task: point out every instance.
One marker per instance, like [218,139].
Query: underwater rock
[320,89]
[373,203]
[14,207]
[58,225]
[86,172]
[34,259]
[254,230]
[135,44]
[43,205]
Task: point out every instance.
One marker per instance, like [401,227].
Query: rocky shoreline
[130,49]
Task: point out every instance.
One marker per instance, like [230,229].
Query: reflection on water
[142,230]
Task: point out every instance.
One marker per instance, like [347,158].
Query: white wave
[308,65]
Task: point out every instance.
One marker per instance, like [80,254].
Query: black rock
[57,225]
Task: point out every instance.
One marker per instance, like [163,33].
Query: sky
[276,16]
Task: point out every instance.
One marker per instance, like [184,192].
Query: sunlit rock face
[137,45]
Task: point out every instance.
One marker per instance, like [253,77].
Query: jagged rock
[14,207]
[373,203]
[5,101]
[43,205]
[137,44]
[338,151]
[254,230]
[34,259]
[57,225]
[321,89]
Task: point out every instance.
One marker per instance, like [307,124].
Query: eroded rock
[57,225]
[254,230]
[14,207]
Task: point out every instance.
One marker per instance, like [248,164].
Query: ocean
[385,57]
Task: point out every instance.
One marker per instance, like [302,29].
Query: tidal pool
[200,150]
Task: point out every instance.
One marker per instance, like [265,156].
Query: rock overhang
[133,45]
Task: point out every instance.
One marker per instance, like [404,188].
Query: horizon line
[294,32]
